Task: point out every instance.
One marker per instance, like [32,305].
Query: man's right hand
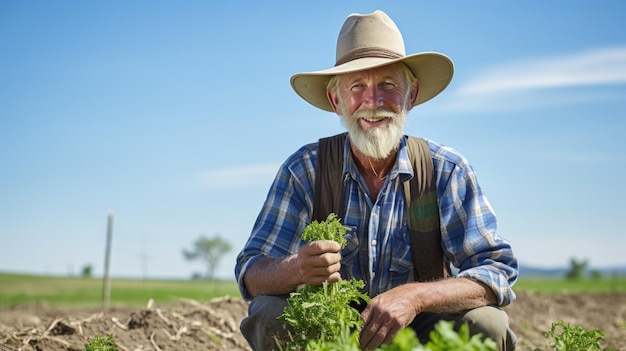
[319,261]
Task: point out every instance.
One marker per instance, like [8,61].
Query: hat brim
[433,71]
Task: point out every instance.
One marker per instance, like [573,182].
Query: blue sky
[175,116]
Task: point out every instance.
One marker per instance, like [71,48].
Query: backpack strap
[420,196]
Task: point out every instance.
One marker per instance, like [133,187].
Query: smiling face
[373,105]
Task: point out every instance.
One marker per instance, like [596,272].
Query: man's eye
[357,86]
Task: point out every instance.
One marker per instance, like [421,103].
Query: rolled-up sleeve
[468,228]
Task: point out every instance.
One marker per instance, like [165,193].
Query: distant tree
[87,271]
[577,269]
[596,274]
[209,251]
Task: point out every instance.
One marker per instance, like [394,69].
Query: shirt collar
[402,167]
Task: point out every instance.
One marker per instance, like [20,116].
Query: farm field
[56,313]
[76,293]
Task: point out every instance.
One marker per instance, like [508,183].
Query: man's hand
[386,315]
[319,261]
[394,310]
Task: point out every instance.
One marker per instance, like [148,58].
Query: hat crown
[370,35]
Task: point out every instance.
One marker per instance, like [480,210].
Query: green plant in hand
[99,343]
[323,313]
[568,337]
[330,229]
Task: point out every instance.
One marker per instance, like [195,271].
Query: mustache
[379,112]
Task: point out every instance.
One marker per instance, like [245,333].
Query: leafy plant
[445,338]
[99,343]
[405,340]
[442,338]
[320,314]
[568,337]
[346,340]
[330,229]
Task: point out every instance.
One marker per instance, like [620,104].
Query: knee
[493,323]
[261,327]
[490,321]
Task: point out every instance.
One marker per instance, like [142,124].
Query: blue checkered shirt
[379,251]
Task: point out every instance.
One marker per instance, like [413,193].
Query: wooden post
[106,283]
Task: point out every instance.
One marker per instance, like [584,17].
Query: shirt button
[374,242]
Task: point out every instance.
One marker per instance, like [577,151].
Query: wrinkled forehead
[397,72]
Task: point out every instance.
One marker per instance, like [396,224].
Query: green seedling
[99,343]
[568,337]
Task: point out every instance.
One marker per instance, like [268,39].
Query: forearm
[451,295]
[272,276]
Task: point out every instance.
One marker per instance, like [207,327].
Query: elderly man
[372,87]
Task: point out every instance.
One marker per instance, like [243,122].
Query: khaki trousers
[262,326]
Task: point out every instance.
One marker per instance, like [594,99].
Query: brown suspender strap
[420,196]
[329,190]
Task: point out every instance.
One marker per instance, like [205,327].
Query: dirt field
[213,325]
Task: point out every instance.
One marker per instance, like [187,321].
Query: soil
[214,325]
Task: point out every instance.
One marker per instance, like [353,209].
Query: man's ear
[415,88]
[332,98]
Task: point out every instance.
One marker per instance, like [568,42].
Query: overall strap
[420,195]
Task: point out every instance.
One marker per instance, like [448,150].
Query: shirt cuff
[495,280]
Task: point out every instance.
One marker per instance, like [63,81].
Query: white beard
[377,143]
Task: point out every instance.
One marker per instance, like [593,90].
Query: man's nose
[373,96]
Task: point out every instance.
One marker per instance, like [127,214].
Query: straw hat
[370,41]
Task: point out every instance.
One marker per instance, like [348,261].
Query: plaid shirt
[378,250]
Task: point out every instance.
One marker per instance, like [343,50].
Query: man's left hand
[386,315]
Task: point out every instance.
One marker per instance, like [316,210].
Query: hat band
[359,53]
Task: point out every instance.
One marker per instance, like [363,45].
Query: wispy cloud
[598,67]
[243,176]
[545,81]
